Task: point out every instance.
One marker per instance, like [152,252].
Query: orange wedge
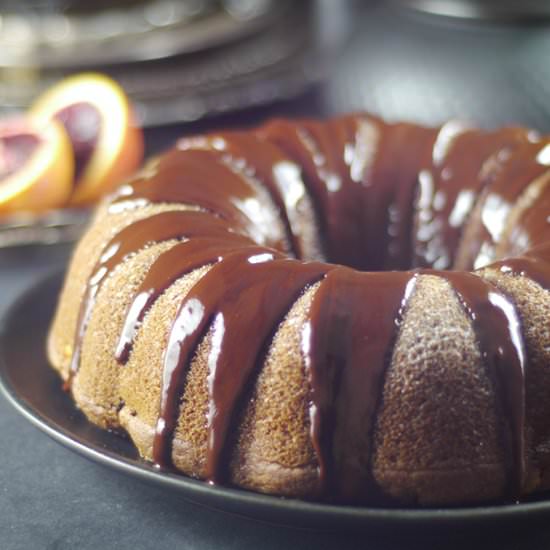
[97,115]
[36,166]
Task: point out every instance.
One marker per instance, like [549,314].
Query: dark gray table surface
[397,65]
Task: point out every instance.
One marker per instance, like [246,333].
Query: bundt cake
[347,310]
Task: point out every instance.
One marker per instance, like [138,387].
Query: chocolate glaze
[362,173]
[498,331]
[508,180]
[257,159]
[157,228]
[168,267]
[362,176]
[347,349]
[533,264]
[311,145]
[532,225]
[404,151]
[200,178]
[236,297]
[450,188]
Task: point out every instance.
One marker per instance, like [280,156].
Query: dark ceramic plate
[35,391]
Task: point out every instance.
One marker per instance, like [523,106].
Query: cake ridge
[249,157]
[193,178]
[295,140]
[497,327]
[344,393]
[516,172]
[254,274]
[456,187]
[170,265]
[137,235]
[533,263]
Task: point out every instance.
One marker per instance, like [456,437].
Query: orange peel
[43,179]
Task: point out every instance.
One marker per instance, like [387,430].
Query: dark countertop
[399,66]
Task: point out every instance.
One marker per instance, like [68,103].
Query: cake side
[533,305]
[438,433]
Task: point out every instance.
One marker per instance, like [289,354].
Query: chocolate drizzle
[312,146]
[347,349]
[236,295]
[508,180]
[168,267]
[451,187]
[531,226]
[405,149]
[362,175]
[200,178]
[533,264]
[157,228]
[260,160]
[498,331]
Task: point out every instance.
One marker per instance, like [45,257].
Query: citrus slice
[97,115]
[36,166]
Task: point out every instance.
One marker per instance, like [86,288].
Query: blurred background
[185,60]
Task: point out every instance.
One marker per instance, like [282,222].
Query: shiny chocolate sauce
[243,298]
[449,187]
[347,349]
[371,184]
[498,331]
[157,228]
[516,170]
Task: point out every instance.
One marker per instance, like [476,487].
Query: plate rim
[227,498]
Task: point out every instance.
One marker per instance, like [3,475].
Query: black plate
[35,391]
